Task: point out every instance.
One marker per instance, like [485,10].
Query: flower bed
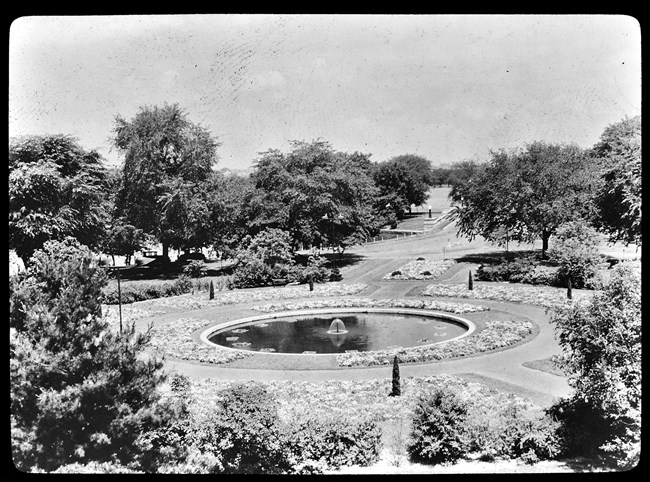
[547,297]
[458,308]
[200,300]
[496,334]
[348,398]
[129,314]
[175,340]
[422,269]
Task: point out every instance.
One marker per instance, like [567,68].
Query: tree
[228,199]
[419,168]
[185,216]
[396,390]
[402,184]
[165,155]
[124,239]
[80,390]
[524,194]
[576,252]
[619,197]
[601,345]
[263,258]
[294,191]
[56,189]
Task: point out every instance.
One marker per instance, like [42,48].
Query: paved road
[502,369]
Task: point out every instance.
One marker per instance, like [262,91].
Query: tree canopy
[619,198]
[166,158]
[293,192]
[403,181]
[524,194]
[56,189]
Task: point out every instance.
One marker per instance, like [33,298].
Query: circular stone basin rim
[205,334]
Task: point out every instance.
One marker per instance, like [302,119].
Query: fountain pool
[337,331]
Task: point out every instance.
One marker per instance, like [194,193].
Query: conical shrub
[397,390]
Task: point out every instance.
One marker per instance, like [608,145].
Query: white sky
[447,87]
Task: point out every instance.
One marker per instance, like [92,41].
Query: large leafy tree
[601,353]
[166,159]
[404,180]
[228,195]
[56,189]
[294,191]
[524,194]
[80,390]
[619,198]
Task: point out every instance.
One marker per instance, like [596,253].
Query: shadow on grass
[153,271]
[499,257]
[347,259]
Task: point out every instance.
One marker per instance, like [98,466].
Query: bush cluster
[244,434]
[522,270]
[334,441]
[131,293]
[447,428]
[195,268]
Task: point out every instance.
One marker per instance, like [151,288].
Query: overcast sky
[445,87]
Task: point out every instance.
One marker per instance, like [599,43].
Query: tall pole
[119,298]
[333,254]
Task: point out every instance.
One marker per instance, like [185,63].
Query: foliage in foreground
[601,342]
[241,432]
[79,391]
[447,427]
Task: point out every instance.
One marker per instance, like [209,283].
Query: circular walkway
[503,369]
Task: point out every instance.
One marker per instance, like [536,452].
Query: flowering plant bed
[200,300]
[496,334]
[422,269]
[129,314]
[544,296]
[175,340]
[458,308]
[349,398]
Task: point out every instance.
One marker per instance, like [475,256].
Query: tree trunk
[545,236]
[165,257]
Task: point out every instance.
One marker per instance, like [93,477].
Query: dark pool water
[365,331]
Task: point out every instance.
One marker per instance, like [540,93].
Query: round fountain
[338,330]
[337,327]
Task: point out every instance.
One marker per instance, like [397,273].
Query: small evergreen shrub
[438,429]
[426,273]
[396,390]
[396,273]
[335,275]
[195,268]
[245,432]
